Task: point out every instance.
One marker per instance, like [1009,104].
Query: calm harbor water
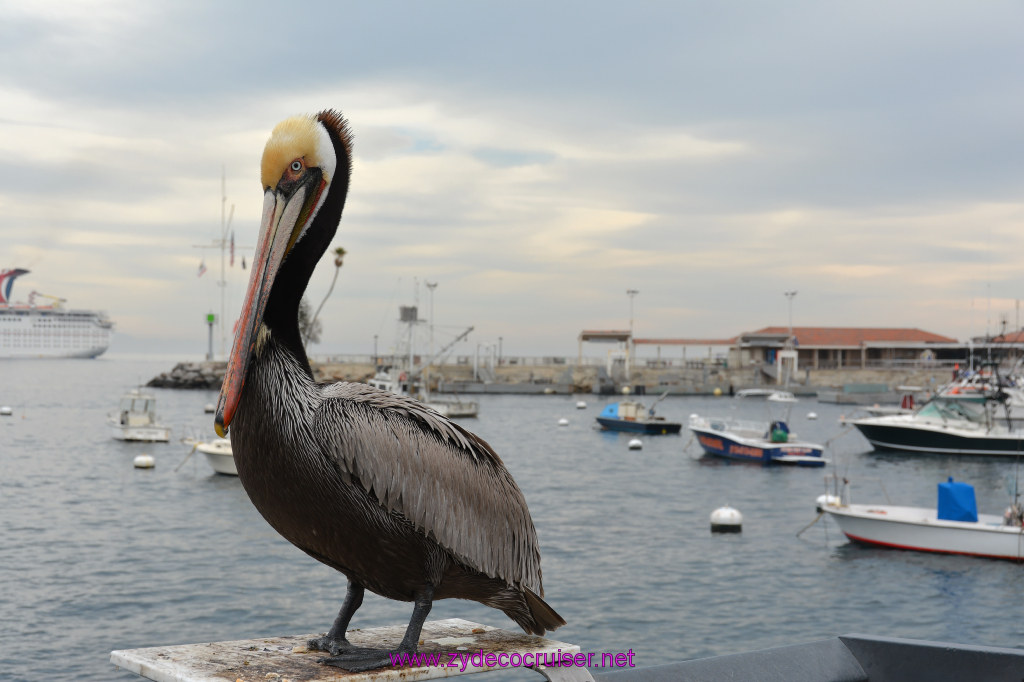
[96,555]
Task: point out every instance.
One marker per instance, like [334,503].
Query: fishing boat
[33,330]
[633,417]
[953,527]
[948,426]
[218,454]
[452,408]
[753,441]
[136,420]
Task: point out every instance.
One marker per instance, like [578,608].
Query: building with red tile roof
[824,347]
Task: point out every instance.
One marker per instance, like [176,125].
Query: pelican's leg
[358,659]
[334,642]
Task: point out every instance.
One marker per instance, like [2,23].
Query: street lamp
[789,295]
[431,286]
[631,348]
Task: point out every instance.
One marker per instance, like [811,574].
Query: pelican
[402,501]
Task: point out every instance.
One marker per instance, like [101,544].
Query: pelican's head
[304,172]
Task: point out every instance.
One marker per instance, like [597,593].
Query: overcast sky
[535,159]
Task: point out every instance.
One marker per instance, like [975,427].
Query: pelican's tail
[540,617]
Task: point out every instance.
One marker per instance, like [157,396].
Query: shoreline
[854,386]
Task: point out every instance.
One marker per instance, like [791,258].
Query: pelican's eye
[296,166]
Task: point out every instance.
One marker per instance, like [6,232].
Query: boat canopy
[138,404]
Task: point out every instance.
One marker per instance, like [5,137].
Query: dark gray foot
[359,659]
[330,645]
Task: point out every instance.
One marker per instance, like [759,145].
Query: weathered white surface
[281,659]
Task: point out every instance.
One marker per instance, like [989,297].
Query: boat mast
[223,244]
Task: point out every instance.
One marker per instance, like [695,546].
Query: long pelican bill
[285,215]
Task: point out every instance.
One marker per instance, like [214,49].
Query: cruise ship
[29,330]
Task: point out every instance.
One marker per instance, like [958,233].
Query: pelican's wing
[444,479]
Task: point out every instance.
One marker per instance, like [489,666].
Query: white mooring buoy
[144,462]
[581,405]
[209,408]
[6,411]
[563,422]
[812,415]
[726,520]
[636,444]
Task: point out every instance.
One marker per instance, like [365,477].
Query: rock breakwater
[201,375]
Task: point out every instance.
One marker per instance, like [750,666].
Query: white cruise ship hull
[30,332]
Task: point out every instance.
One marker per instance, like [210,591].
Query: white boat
[29,330]
[947,426]
[218,454]
[950,528]
[446,407]
[772,394]
[136,420]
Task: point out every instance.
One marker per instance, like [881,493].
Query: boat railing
[734,424]
[839,487]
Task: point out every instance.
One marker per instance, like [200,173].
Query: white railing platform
[277,659]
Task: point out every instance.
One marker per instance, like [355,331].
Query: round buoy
[563,422]
[581,405]
[717,392]
[726,520]
[625,390]
[6,411]
[209,408]
[636,444]
[823,501]
[144,462]
[812,415]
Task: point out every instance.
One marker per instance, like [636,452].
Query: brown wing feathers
[445,480]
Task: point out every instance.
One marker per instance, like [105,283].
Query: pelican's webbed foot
[330,645]
[358,659]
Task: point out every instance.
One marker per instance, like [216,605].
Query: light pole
[789,295]
[431,286]
[631,348]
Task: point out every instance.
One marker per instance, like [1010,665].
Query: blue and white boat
[750,441]
[631,416]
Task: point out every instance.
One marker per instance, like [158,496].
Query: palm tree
[309,329]
[314,326]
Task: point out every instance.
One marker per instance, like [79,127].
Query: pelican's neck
[282,312]
[279,387]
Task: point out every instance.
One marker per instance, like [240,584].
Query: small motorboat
[752,441]
[953,527]
[136,420]
[772,394]
[218,454]
[631,416]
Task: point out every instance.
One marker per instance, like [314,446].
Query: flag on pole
[232,248]
[202,268]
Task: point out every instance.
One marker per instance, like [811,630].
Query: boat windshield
[954,409]
[137,405]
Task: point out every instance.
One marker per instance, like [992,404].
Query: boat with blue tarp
[632,416]
[954,526]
